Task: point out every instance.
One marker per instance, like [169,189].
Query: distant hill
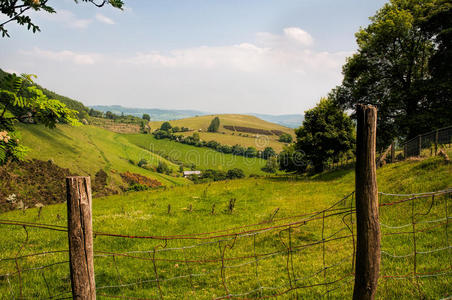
[244,130]
[291,121]
[155,113]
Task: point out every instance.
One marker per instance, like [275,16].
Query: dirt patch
[133,178]
[32,182]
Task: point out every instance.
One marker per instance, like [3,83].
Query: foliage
[268,152]
[214,125]
[146,117]
[271,166]
[27,104]
[166,126]
[163,168]
[138,180]
[285,138]
[327,133]
[291,160]
[235,173]
[400,67]
[15,10]
[142,163]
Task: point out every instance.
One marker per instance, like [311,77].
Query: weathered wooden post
[80,233]
[368,226]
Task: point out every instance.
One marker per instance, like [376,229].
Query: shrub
[166,126]
[142,163]
[285,138]
[163,168]
[271,166]
[214,125]
[235,173]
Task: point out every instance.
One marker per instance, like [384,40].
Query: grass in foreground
[146,213]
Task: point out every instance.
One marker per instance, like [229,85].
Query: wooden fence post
[368,226]
[80,233]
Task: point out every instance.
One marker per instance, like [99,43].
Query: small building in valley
[190,173]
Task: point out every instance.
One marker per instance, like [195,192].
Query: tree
[146,117]
[291,160]
[251,152]
[235,173]
[327,132]
[214,125]
[16,11]
[285,138]
[271,165]
[166,126]
[393,69]
[21,101]
[163,167]
[268,152]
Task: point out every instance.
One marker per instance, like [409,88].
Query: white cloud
[269,52]
[103,19]
[67,18]
[299,35]
[64,56]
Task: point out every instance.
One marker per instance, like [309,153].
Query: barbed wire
[285,240]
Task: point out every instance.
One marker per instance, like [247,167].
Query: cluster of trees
[166,132]
[403,67]
[217,175]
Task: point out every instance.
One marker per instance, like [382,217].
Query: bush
[214,125]
[166,126]
[271,166]
[142,163]
[235,173]
[163,168]
[286,138]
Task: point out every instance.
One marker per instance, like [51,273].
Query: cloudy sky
[236,56]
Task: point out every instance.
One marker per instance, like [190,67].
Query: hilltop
[244,130]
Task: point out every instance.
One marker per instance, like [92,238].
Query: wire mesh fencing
[428,143]
[307,255]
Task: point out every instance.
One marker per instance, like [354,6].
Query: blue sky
[220,56]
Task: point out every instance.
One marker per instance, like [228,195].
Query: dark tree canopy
[327,133]
[146,117]
[403,68]
[19,11]
[166,126]
[214,125]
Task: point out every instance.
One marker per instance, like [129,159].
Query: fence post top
[77,177]
[365,106]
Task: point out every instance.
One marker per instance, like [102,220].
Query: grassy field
[243,265]
[87,149]
[203,158]
[229,137]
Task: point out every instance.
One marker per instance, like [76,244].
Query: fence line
[289,250]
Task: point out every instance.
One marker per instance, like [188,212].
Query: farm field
[203,158]
[87,149]
[231,262]
[229,137]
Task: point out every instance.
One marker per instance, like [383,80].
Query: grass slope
[87,149]
[146,213]
[230,137]
[203,158]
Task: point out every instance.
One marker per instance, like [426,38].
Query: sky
[234,56]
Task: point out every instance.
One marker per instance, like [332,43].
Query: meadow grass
[202,157]
[87,149]
[146,213]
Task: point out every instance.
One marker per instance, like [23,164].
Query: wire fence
[302,255]
[428,143]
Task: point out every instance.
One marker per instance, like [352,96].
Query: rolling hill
[244,134]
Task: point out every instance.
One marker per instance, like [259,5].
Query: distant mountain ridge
[291,121]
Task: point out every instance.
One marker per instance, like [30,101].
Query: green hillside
[132,272]
[202,158]
[230,137]
[87,149]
